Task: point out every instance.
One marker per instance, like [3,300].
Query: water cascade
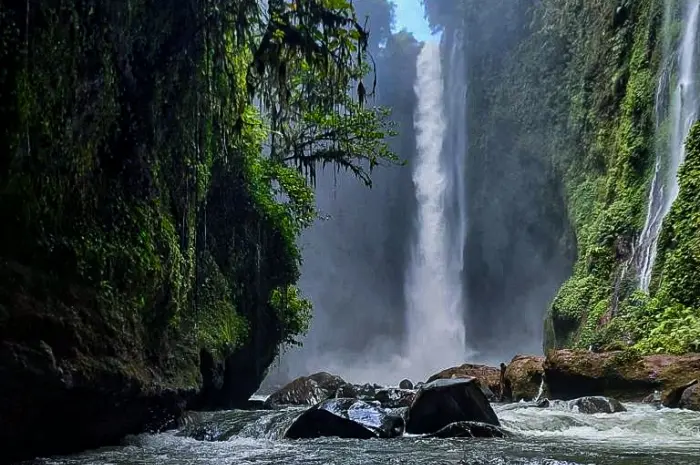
[433,286]
[683,113]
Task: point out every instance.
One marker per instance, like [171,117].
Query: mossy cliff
[562,105]
[148,255]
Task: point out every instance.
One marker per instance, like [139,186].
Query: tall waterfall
[433,284]
[683,113]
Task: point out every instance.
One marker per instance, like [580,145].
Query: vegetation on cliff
[563,107]
[162,158]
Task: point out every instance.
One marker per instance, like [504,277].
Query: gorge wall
[565,130]
[148,255]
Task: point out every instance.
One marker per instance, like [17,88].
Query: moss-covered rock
[523,377]
[624,375]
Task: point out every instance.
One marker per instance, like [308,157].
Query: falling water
[455,147]
[433,284]
[684,112]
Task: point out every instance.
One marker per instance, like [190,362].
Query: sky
[409,15]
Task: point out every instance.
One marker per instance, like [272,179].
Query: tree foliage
[133,159]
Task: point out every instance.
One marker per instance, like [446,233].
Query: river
[641,436]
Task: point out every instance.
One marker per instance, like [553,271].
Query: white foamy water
[433,286]
[640,436]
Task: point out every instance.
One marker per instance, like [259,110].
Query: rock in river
[523,378]
[596,404]
[345,418]
[691,398]
[623,375]
[446,401]
[395,398]
[307,390]
[489,378]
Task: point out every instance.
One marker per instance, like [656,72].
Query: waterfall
[455,148]
[433,285]
[683,113]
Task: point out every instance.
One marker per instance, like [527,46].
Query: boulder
[621,374]
[345,418]
[347,391]
[441,402]
[395,398]
[406,384]
[307,390]
[469,429]
[523,378]
[596,404]
[488,377]
[690,399]
[398,412]
[367,391]
[672,397]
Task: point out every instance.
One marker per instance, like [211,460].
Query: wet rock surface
[523,378]
[690,399]
[395,398]
[596,404]
[310,390]
[442,402]
[469,429]
[672,397]
[346,418]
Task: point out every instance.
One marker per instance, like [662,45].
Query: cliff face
[146,263]
[565,127]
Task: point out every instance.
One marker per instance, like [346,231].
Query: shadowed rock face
[572,374]
[523,377]
[690,399]
[442,402]
[346,418]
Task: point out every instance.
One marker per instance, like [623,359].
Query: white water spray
[433,283]
[684,112]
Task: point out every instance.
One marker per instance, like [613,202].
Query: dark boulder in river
[406,384]
[395,398]
[445,401]
[690,399]
[307,390]
[596,404]
[347,391]
[346,418]
[367,391]
[672,397]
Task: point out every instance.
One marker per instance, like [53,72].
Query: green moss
[608,210]
[669,320]
[133,167]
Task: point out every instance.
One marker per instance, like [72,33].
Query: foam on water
[640,436]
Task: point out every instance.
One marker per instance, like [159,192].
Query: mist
[510,242]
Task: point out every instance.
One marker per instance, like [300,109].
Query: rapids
[641,436]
